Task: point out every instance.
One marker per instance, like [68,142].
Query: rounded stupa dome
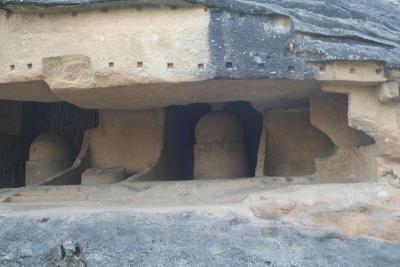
[49,146]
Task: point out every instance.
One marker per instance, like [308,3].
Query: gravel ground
[182,239]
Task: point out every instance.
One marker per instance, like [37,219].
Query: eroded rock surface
[199,224]
[186,239]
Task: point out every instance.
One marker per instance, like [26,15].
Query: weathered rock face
[293,143]
[137,240]
[319,30]
[323,75]
[365,113]
[286,42]
[354,158]
[294,51]
[329,114]
[306,225]
[127,139]
[295,32]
